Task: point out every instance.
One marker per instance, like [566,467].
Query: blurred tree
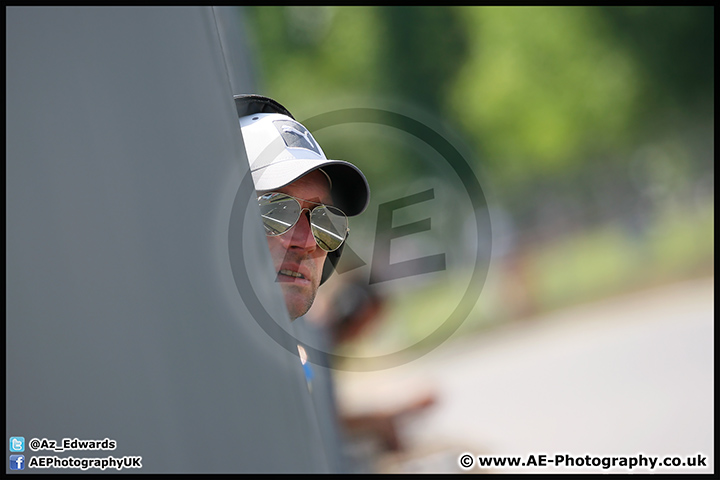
[424,48]
[673,47]
[560,101]
[545,88]
[579,117]
[556,101]
[308,53]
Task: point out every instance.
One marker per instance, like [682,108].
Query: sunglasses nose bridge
[307,215]
[300,213]
[303,233]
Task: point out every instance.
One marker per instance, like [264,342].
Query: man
[304,201]
[304,198]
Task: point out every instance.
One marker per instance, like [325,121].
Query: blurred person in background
[350,311]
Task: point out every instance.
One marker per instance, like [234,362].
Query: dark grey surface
[124,157]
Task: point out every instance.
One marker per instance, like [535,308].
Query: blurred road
[623,377]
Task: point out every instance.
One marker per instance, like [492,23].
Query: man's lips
[293,273]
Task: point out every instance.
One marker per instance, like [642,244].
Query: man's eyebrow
[315,200]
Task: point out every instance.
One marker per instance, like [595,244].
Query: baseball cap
[280,150]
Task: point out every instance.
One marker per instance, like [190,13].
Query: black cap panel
[250,104]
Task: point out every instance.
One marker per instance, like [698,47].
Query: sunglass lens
[329,227]
[279,213]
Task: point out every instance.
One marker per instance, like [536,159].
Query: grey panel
[124,158]
[239,59]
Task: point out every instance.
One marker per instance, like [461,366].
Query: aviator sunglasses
[280,212]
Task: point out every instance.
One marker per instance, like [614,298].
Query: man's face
[296,251]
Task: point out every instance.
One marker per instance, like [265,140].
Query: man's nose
[301,234]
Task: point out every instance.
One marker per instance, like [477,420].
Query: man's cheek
[318,269]
[277,252]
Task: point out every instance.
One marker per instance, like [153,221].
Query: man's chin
[298,298]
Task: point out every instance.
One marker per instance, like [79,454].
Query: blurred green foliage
[592,126]
[535,90]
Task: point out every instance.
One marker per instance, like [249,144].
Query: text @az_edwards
[67,444]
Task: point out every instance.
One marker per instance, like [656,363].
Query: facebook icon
[17,462]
